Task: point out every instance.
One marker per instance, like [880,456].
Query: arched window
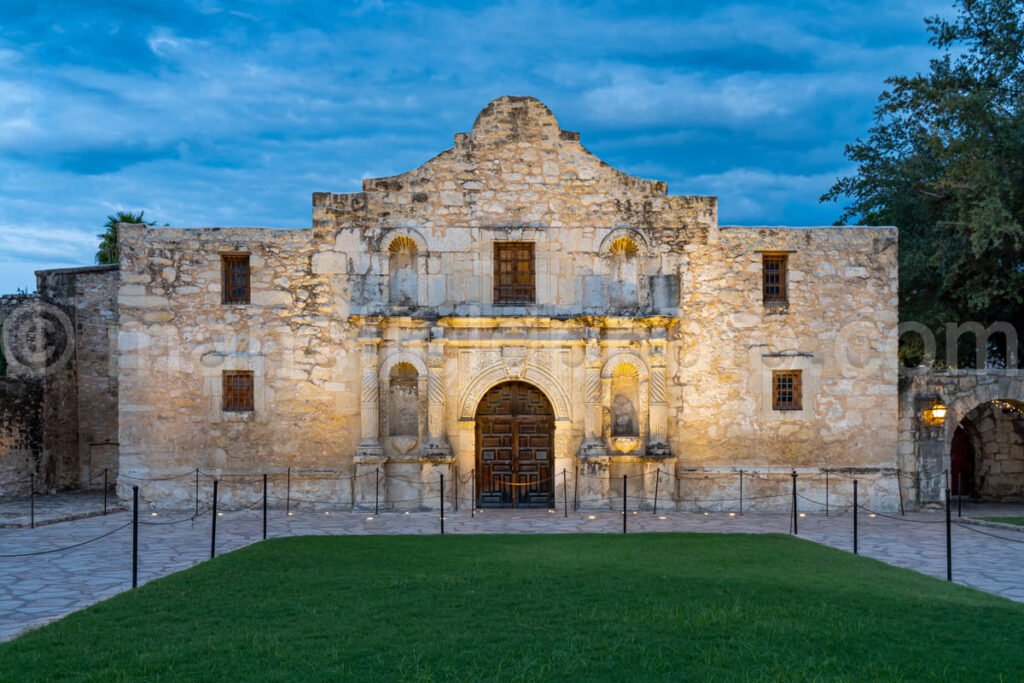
[625,392]
[403,401]
[403,283]
[624,272]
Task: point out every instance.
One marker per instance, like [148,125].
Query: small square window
[774,279]
[514,273]
[235,280]
[238,391]
[787,390]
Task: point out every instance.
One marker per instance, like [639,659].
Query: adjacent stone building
[521,318]
[58,382]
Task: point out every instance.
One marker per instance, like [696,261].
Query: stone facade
[372,337]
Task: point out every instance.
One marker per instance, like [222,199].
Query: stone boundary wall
[60,388]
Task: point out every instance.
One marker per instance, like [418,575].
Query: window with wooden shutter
[238,391]
[514,274]
[787,390]
[774,279]
[235,272]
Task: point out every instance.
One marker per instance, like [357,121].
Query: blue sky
[211,113]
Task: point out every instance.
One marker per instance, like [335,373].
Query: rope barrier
[191,518]
[970,527]
[901,519]
[840,509]
[190,473]
[69,547]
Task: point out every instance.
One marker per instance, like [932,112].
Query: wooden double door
[515,448]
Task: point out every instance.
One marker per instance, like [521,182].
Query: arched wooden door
[515,447]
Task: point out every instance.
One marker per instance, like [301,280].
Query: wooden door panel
[515,434]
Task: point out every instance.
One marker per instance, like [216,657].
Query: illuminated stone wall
[646,313]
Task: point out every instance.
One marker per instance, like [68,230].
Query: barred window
[787,390]
[774,279]
[238,390]
[514,274]
[235,270]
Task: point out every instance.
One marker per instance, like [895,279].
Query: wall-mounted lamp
[935,414]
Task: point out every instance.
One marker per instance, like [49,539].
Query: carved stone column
[437,438]
[369,453]
[592,437]
[657,440]
[369,397]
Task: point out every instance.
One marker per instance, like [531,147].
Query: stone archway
[515,437]
[992,469]
[970,397]
[484,377]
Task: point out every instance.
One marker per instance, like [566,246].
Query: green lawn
[1005,520]
[669,607]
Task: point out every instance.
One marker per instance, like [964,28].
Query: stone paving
[17,512]
[39,588]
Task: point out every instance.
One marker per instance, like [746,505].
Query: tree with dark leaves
[945,164]
[107,253]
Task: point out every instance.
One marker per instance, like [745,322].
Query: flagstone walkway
[39,588]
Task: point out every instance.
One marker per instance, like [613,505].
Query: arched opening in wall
[403,413]
[624,273]
[625,394]
[403,280]
[987,453]
[515,438]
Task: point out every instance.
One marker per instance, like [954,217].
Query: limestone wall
[839,329]
[176,338]
[59,404]
[21,434]
[999,456]
[89,297]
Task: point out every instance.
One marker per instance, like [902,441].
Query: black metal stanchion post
[135,536]
[288,494]
[213,523]
[441,496]
[565,495]
[264,507]
[32,500]
[376,493]
[855,506]
[104,491]
[576,491]
[657,480]
[949,542]
[625,482]
[796,532]
[455,485]
[472,488]
[826,492]
[959,494]
[741,493]
[899,487]
[197,492]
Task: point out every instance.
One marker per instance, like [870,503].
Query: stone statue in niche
[403,401]
[623,417]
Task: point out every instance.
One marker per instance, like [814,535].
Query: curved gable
[516,167]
